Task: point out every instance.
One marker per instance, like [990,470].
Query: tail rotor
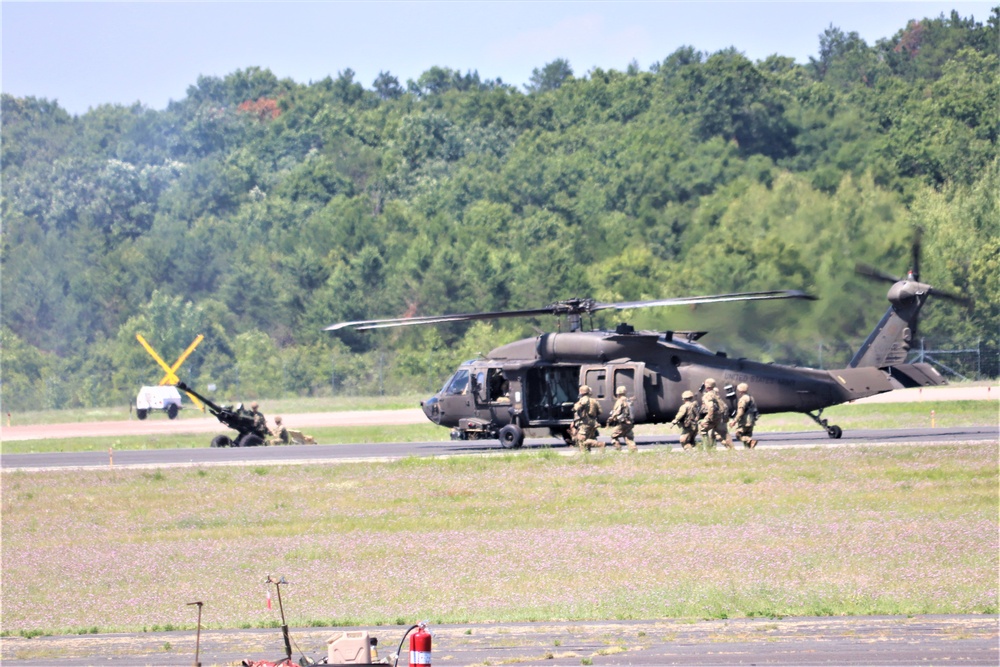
[890,341]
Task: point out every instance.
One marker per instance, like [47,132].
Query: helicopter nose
[432,409]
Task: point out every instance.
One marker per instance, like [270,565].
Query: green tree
[549,77]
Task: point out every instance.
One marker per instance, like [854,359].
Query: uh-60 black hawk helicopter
[530,386]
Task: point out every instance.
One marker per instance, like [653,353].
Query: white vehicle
[164,397]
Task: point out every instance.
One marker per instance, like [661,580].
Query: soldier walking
[687,420]
[746,416]
[621,419]
[713,423]
[586,410]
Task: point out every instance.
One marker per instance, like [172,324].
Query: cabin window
[499,387]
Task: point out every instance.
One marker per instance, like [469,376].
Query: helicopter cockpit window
[458,384]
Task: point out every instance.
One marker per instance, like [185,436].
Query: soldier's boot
[753,443]
[631,445]
[597,443]
[618,445]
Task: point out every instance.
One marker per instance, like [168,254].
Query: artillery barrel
[215,409]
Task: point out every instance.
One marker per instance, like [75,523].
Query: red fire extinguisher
[420,646]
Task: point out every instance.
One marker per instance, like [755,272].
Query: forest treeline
[258,211]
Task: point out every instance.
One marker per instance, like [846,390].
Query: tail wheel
[511,436]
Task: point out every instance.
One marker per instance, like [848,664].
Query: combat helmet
[710,383]
[743,386]
[620,391]
[584,390]
[687,394]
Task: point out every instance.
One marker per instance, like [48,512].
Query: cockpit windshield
[458,383]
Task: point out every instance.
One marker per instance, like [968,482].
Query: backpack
[751,415]
[691,417]
[720,406]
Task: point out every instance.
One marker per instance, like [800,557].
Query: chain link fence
[955,360]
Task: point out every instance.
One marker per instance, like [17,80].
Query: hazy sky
[84,54]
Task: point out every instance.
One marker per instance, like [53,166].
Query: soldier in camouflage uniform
[585,413]
[621,419]
[687,420]
[713,423]
[259,422]
[279,434]
[746,416]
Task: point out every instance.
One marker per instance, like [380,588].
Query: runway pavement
[848,641]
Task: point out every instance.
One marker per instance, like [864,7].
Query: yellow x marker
[171,371]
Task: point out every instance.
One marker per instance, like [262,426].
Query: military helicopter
[528,387]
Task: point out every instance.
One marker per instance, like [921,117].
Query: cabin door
[630,376]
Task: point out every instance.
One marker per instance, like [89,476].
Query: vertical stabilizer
[889,342]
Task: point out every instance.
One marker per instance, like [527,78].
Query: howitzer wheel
[250,440]
[221,441]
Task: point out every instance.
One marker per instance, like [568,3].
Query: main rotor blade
[568,307]
[715,298]
[365,325]
[871,272]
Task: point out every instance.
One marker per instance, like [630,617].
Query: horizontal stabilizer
[861,382]
[916,375]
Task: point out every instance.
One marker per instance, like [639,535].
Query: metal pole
[197,643]
[284,626]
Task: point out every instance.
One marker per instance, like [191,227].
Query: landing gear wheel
[511,436]
[221,441]
[832,430]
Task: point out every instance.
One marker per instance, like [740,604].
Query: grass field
[882,415]
[523,536]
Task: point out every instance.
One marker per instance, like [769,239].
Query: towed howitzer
[250,433]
